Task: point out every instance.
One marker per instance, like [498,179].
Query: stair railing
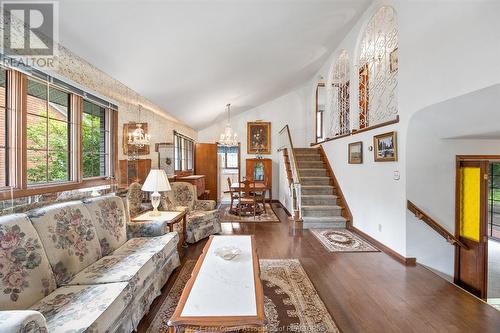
[285,142]
[422,216]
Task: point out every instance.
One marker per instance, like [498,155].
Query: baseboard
[387,250]
[284,208]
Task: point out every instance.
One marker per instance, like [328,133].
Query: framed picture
[259,137]
[393,60]
[385,147]
[128,129]
[356,153]
[165,152]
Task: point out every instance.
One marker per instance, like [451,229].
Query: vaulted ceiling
[193,57]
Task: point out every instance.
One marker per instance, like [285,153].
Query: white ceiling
[193,57]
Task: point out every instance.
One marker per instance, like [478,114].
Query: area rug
[342,240]
[291,302]
[269,217]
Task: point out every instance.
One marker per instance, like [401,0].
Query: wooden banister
[421,215]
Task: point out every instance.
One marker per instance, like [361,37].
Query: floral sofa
[202,218]
[70,267]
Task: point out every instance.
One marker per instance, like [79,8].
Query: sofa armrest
[204,205]
[19,321]
[146,229]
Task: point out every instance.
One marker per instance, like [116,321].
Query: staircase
[320,203]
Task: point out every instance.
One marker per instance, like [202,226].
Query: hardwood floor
[364,292]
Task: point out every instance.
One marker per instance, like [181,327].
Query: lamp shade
[157,181]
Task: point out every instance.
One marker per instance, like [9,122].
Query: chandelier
[138,137]
[228,138]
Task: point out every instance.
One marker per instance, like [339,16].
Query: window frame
[17,122]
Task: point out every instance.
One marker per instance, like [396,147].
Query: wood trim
[330,139]
[275,201]
[369,128]
[52,188]
[346,211]
[16,115]
[358,131]
[403,260]
[422,216]
[473,160]
[225,322]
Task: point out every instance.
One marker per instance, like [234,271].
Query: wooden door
[471,220]
[205,163]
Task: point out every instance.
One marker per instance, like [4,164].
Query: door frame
[484,214]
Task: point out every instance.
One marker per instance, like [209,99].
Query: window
[184,152]
[229,160]
[340,120]
[47,133]
[378,68]
[94,134]
[3,128]
[320,111]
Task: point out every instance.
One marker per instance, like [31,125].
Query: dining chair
[235,195]
[247,197]
[260,196]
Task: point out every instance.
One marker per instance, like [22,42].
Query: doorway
[493,233]
[229,170]
[477,268]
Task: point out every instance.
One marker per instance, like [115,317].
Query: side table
[166,218]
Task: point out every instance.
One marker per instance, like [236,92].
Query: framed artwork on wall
[165,152]
[259,137]
[355,153]
[385,147]
[128,129]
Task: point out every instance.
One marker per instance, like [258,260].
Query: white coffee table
[223,294]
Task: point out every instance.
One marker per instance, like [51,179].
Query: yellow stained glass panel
[471,203]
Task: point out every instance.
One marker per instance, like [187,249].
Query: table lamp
[157,181]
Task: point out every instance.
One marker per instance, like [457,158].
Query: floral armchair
[202,218]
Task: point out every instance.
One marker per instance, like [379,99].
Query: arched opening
[378,68]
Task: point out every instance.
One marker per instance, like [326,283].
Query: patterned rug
[291,302]
[270,216]
[342,240]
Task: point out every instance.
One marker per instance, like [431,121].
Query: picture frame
[385,147]
[355,152]
[165,152]
[128,128]
[393,60]
[259,137]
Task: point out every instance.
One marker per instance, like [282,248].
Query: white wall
[435,137]
[289,109]
[446,49]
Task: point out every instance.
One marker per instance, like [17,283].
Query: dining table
[240,186]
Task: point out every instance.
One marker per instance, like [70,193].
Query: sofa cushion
[166,243]
[91,308]
[117,268]
[25,273]
[182,194]
[109,217]
[68,236]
